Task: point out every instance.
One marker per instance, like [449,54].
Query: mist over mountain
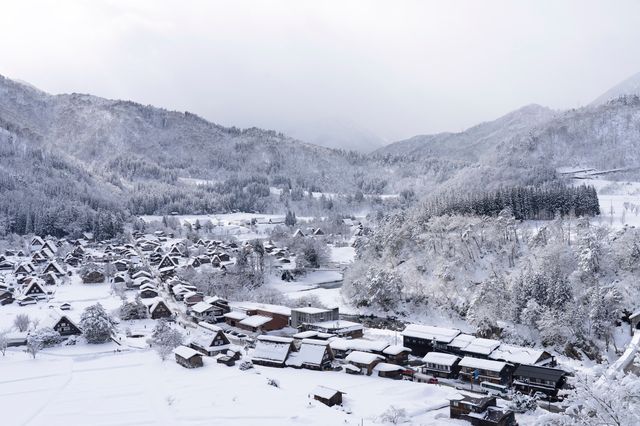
[628,87]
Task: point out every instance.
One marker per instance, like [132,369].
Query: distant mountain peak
[630,86]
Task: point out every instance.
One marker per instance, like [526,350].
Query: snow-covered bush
[133,310]
[96,324]
[394,416]
[273,382]
[4,343]
[245,365]
[521,403]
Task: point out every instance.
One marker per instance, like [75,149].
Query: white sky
[396,68]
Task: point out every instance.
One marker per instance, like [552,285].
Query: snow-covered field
[92,385]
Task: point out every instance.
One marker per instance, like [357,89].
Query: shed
[327,396]
[188,357]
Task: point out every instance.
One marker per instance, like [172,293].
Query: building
[478,370]
[278,317]
[256,323]
[364,361]
[310,315]
[480,347]
[480,411]
[530,379]
[343,347]
[439,364]
[313,355]
[204,311]
[397,354]
[188,357]
[65,326]
[634,318]
[339,328]
[422,339]
[159,309]
[389,371]
[211,345]
[272,351]
[327,396]
[520,355]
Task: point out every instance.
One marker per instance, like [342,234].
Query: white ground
[92,385]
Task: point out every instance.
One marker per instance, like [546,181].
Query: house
[5,265]
[343,347]
[211,345]
[422,339]
[234,317]
[439,364]
[530,379]
[121,265]
[192,298]
[142,273]
[278,316]
[298,233]
[53,267]
[272,351]
[188,357]
[480,411]
[312,335]
[49,278]
[313,355]
[327,396]
[148,293]
[389,371]
[339,328]
[397,354]
[6,297]
[520,355]
[35,289]
[218,302]
[477,370]
[159,310]
[364,361]
[255,323]
[93,277]
[318,232]
[25,268]
[460,342]
[480,348]
[65,307]
[63,325]
[167,263]
[36,243]
[310,315]
[204,311]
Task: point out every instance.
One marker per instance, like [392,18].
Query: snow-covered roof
[461,341]
[428,332]
[185,352]
[236,315]
[483,364]
[255,320]
[270,349]
[516,354]
[634,315]
[276,309]
[362,345]
[385,366]
[395,350]
[482,346]
[325,392]
[341,325]
[362,357]
[311,352]
[201,307]
[440,358]
[311,310]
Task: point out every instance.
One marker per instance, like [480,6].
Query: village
[53,280]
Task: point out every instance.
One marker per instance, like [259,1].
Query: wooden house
[479,370]
[396,354]
[521,355]
[364,361]
[36,243]
[54,268]
[480,411]
[233,318]
[211,345]
[422,339]
[159,310]
[35,289]
[5,265]
[148,293]
[530,379]
[188,357]
[65,326]
[204,311]
[439,364]
[25,268]
[327,396]
[389,371]
[480,348]
[93,277]
[313,355]
[121,265]
[272,351]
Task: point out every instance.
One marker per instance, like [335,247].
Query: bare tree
[34,344]
[4,343]
[22,322]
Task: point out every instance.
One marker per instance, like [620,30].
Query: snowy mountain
[629,87]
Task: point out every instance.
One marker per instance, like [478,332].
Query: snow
[482,346]
[76,387]
[255,321]
[362,345]
[185,352]
[482,364]
[516,354]
[429,332]
[362,357]
[324,392]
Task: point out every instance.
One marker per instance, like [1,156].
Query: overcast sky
[395,68]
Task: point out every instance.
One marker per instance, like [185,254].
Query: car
[233,333]
[433,381]
[242,335]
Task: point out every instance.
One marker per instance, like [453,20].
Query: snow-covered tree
[21,322]
[97,325]
[133,310]
[165,339]
[4,343]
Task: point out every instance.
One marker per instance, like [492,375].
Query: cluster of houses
[449,353]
